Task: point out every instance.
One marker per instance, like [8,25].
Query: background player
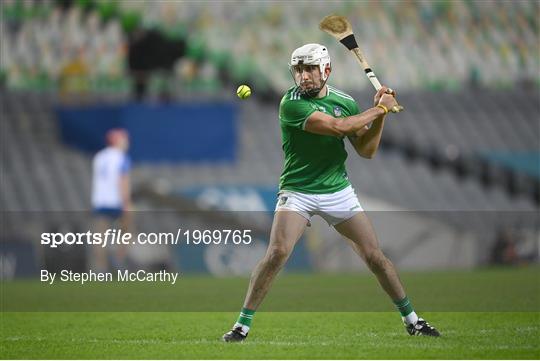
[315,118]
[111,194]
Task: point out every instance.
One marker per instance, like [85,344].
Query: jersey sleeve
[354,108]
[294,113]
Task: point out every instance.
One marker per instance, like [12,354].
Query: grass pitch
[307,335]
[510,330]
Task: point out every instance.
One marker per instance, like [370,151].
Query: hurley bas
[121,276]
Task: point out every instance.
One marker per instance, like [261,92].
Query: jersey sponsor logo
[337,111]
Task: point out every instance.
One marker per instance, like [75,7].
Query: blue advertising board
[176,133]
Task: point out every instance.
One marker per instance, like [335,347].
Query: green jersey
[314,164]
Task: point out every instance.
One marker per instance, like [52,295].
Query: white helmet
[311,54]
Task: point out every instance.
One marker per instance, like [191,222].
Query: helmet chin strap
[315,91]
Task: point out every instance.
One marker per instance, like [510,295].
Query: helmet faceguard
[310,54]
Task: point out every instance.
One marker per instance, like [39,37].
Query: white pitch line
[371,343]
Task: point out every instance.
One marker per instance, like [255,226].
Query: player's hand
[388,100]
[382,91]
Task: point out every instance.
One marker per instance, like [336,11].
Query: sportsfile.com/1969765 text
[119,237]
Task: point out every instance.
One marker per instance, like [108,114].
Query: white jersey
[108,166]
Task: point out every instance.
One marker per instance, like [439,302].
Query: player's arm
[366,145]
[127,217]
[324,124]
[354,125]
[125,190]
[125,184]
[367,142]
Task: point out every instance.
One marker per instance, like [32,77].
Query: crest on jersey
[337,111]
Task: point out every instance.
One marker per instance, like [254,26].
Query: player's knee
[277,255]
[377,261]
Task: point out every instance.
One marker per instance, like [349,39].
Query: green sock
[245,317]
[404,306]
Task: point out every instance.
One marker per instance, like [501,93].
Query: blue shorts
[111,213]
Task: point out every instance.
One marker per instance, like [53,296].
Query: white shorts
[334,208]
